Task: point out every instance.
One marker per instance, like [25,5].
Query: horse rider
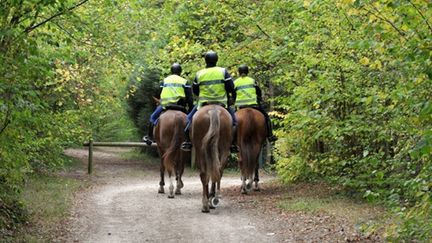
[212,85]
[175,94]
[249,95]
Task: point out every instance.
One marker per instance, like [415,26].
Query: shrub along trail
[123,205]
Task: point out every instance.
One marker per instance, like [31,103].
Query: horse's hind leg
[179,173]
[217,196]
[243,186]
[212,196]
[162,182]
[205,201]
[212,189]
[256,180]
[179,185]
[249,183]
[171,186]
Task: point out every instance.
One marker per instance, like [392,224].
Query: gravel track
[122,205]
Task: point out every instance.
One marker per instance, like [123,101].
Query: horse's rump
[211,136]
[251,133]
[169,136]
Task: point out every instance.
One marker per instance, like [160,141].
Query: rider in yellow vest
[212,85]
[175,94]
[249,95]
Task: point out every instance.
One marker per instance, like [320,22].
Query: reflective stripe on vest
[172,90]
[246,92]
[211,86]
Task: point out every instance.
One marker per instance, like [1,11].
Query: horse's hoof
[205,210]
[171,196]
[178,192]
[257,189]
[248,187]
[161,191]
[214,202]
[244,192]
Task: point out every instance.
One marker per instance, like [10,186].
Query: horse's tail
[210,146]
[171,155]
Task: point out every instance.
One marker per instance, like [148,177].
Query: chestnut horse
[251,135]
[211,135]
[169,134]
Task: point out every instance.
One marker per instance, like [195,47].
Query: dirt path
[123,206]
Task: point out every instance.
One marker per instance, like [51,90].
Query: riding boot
[149,138]
[269,126]
[234,148]
[186,145]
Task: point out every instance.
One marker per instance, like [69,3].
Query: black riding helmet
[243,69]
[211,58]
[176,69]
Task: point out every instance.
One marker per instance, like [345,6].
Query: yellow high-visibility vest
[211,86]
[172,90]
[246,92]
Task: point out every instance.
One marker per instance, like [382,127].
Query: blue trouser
[233,116]
[155,115]
[190,115]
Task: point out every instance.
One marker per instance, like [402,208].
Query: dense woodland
[348,84]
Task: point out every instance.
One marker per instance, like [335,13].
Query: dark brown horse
[251,135]
[211,135]
[169,134]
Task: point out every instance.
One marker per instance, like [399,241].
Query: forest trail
[123,205]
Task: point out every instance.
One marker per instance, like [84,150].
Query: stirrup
[147,140]
[186,146]
[234,148]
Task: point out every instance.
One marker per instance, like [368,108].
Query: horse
[211,135]
[251,135]
[169,134]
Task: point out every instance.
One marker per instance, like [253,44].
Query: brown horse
[211,135]
[251,135]
[169,134]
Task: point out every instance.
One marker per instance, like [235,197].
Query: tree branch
[25,15]
[265,33]
[6,121]
[401,33]
[32,27]
[85,42]
[421,14]
[349,22]
[35,18]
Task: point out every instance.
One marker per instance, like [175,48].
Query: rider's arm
[229,87]
[189,98]
[259,94]
[195,87]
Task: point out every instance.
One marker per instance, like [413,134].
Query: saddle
[213,103]
[249,106]
[176,108]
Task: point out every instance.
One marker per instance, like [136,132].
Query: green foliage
[48,200]
[142,89]
[358,111]
[62,79]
